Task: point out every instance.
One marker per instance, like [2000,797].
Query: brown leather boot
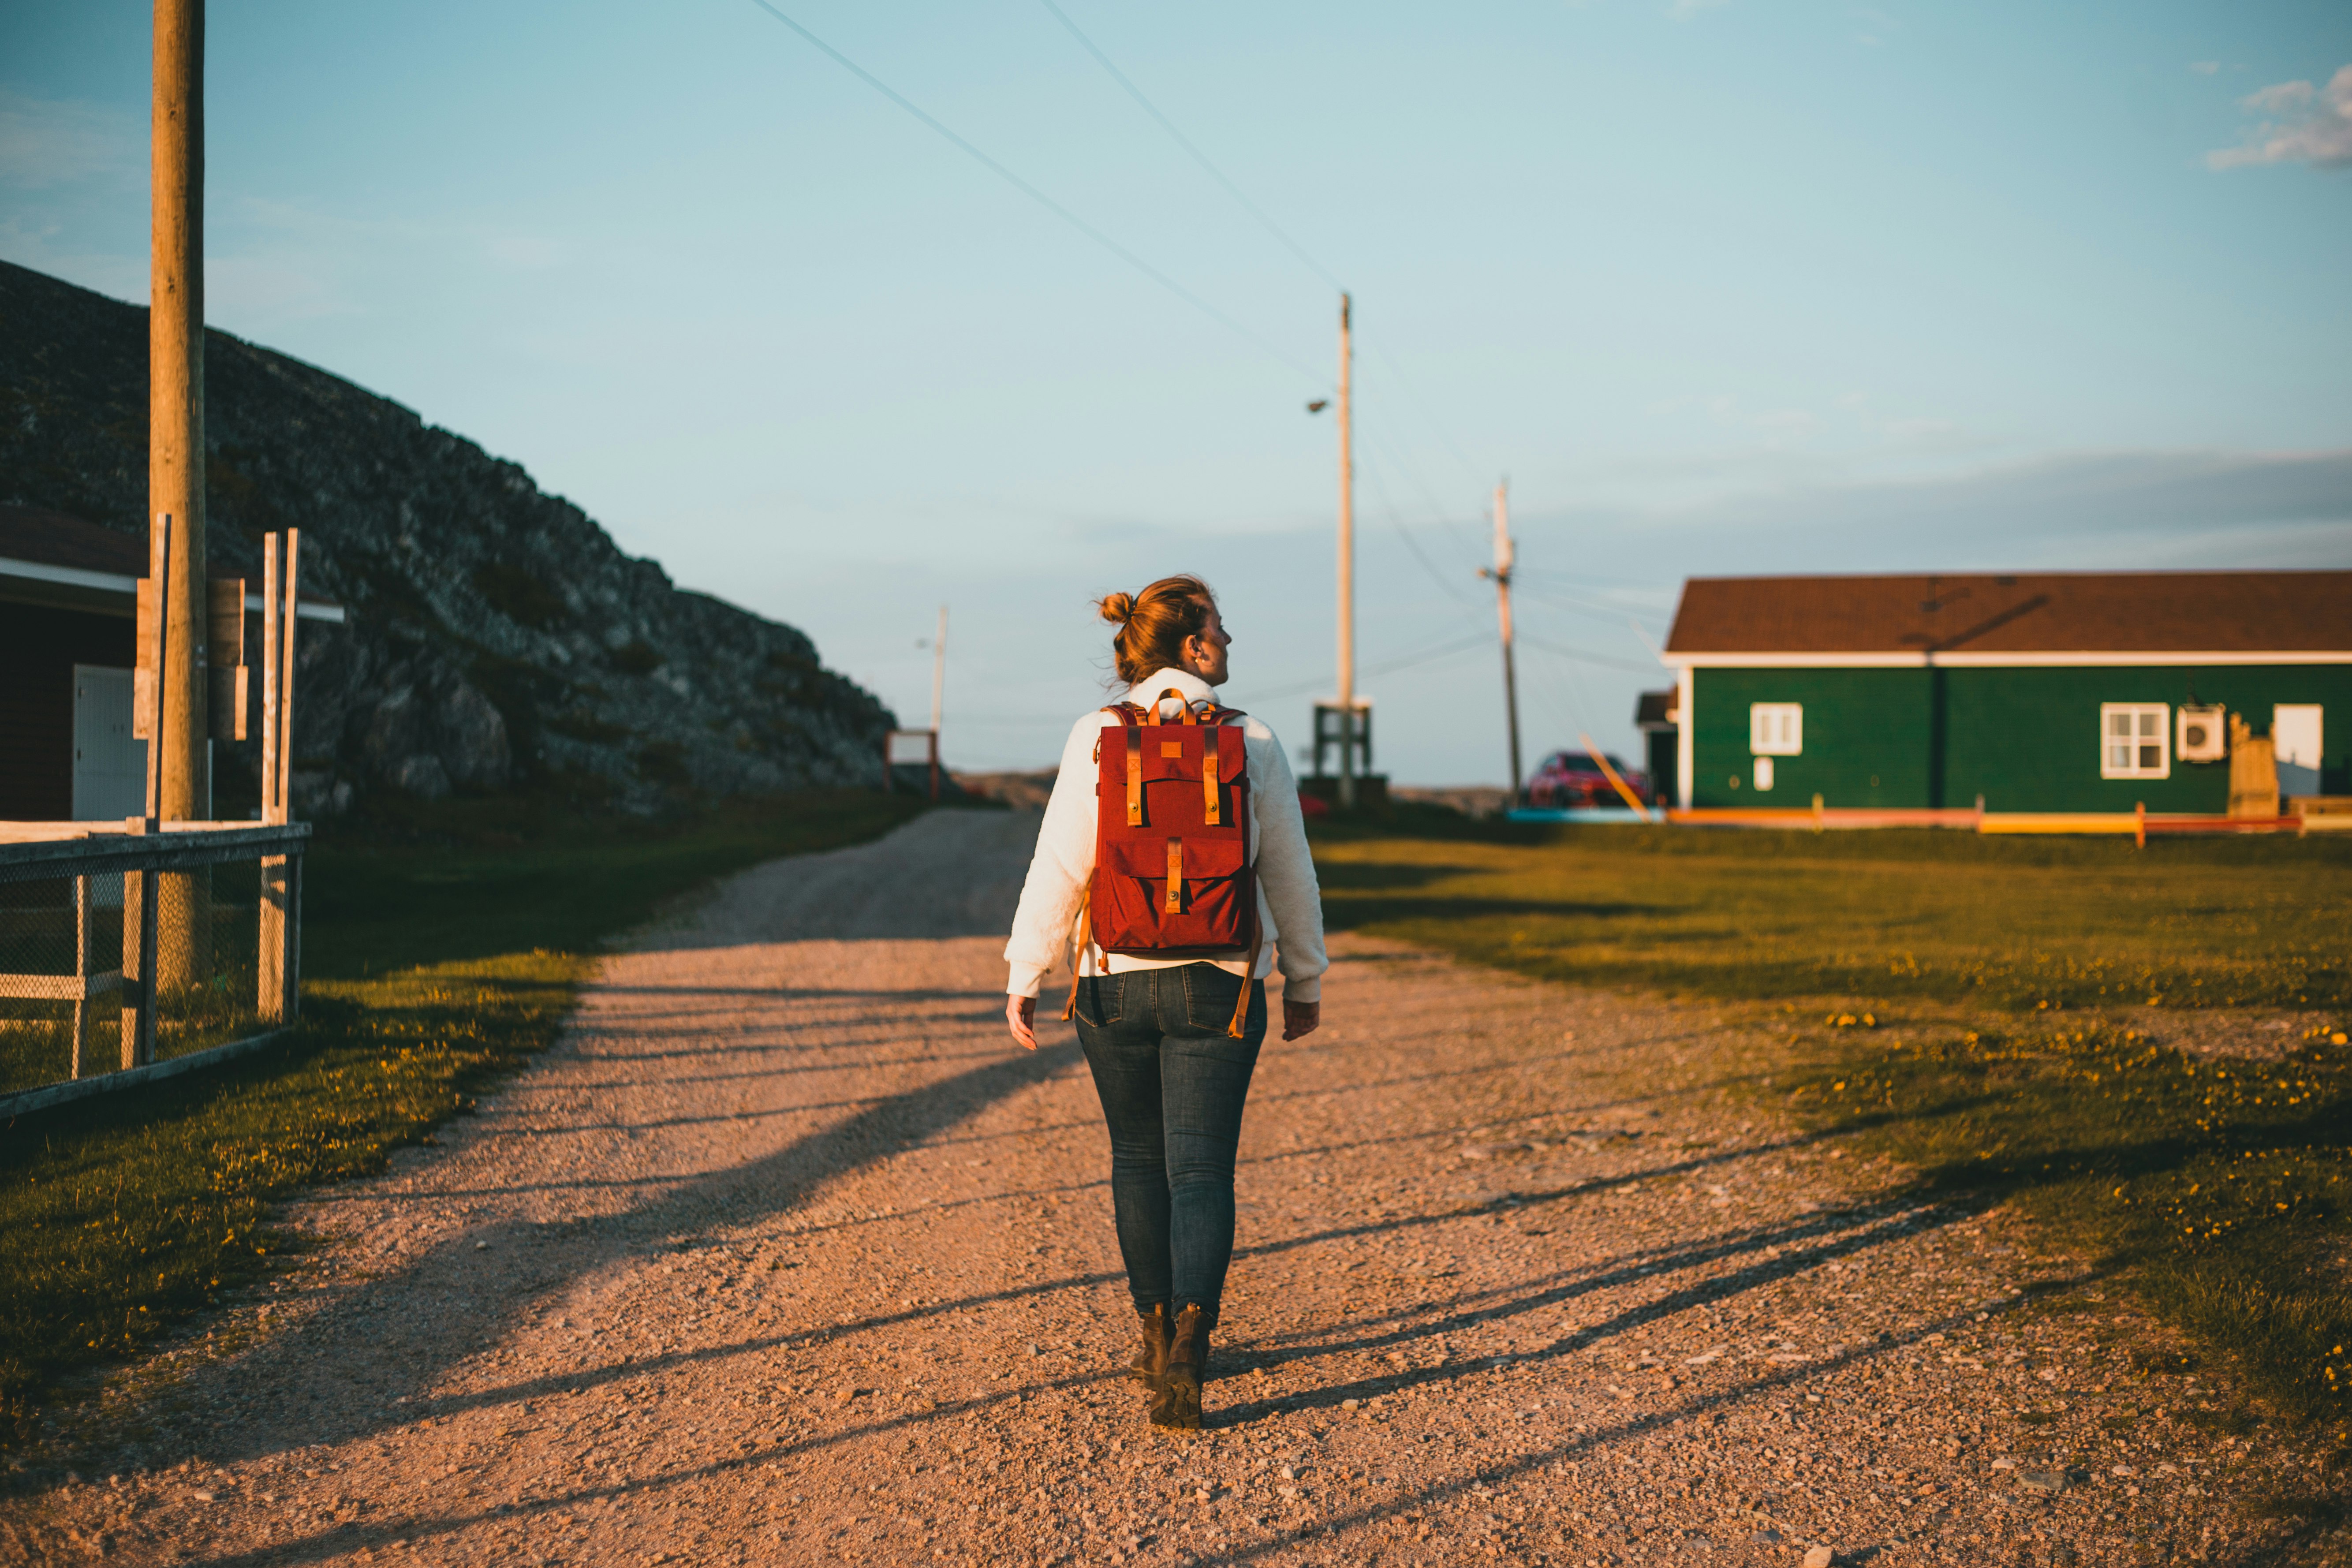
[1150,1346]
[1176,1398]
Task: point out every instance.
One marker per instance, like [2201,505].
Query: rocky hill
[496,637]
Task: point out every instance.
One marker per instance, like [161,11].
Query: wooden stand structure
[144,850]
[890,739]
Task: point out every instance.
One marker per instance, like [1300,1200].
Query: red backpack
[1171,875]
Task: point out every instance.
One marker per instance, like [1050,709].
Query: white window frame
[1776,729]
[2139,716]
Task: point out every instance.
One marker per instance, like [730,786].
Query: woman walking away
[1173,864]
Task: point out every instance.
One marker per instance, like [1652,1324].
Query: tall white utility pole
[939,670]
[1346,570]
[1501,573]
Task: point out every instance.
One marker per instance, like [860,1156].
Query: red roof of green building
[2022,612]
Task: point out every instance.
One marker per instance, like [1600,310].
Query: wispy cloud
[2205,68]
[52,141]
[2301,125]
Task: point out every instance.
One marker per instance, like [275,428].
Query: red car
[1572,780]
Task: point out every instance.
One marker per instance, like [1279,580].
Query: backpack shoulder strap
[1130,719]
[1080,935]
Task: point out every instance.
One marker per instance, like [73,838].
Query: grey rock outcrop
[497,635]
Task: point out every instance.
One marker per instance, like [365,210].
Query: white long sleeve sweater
[1289,902]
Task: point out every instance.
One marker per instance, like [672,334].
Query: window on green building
[1776,730]
[2135,741]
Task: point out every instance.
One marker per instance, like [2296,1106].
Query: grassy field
[1991,1013]
[435,961]
[2009,924]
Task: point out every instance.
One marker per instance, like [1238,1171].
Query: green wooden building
[2056,691]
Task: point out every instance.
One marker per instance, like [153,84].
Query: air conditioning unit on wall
[2204,734]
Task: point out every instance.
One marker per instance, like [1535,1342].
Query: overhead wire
[1185,142]
[1375,447]
[1388,504]
[1586,656]
[1289,243]
[1041,198]
[1372,422]
[1597,609]
[1386,666]
[1412,394]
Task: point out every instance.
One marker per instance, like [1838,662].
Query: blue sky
[1722,288]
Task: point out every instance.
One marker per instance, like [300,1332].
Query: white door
[2294,733]
[110,765]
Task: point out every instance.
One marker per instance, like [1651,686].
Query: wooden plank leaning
[281,874]
[81,969]
[140,886]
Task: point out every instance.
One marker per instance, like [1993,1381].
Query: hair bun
[1118,608]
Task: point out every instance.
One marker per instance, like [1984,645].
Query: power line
[1598,609]
[1373,421]
[1436,576]
[1040,198]
[1388,666]
[1648,584]
[1414,395]
[1185,142]
[1585,656]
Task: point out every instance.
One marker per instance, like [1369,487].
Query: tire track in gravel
[785,1255]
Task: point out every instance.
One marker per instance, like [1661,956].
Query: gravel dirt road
[787,1255]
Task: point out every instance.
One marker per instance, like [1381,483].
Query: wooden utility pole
[175,397]
[1501,573]
[175,464]
[939,669]
[1347,568]
[938,691]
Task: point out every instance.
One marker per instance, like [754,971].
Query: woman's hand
[1299,1017]
[1021,1015]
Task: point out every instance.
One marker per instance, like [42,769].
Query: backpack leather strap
[1209,781]
[1184,706]
[1134,776]
[1078,935]
[1249,977]
[1175,903]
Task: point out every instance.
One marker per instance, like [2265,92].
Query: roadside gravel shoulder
[784,1255]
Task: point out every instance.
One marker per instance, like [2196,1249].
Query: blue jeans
[1171,1082]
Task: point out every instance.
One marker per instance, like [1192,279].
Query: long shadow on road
[1775,1252]
[570,1250]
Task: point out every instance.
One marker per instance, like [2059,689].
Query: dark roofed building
[1653,715]
[2049,691]
[68,641]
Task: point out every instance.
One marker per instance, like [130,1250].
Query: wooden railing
[86,853]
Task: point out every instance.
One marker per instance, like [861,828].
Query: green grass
[2216,1185]
[440,953]
[1974,1007]
[2000,922]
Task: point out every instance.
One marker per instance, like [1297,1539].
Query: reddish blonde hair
[1154,625]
